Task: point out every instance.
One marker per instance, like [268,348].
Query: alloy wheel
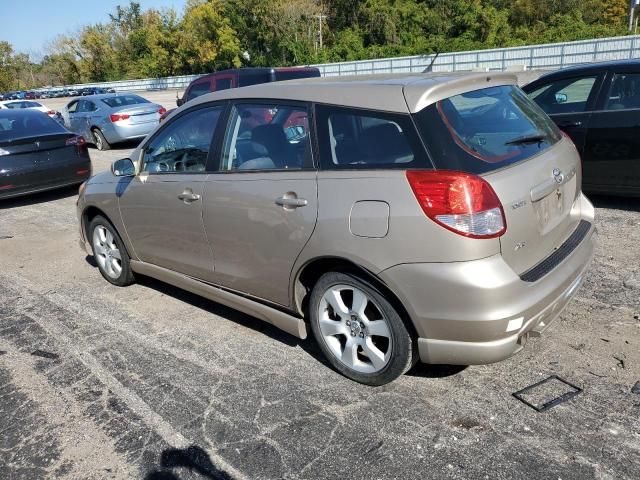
[355,329]
[106,251]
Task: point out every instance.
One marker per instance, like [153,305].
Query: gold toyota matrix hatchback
[424,217]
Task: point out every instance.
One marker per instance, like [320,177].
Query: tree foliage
[216,34]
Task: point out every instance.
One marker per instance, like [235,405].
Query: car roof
[388,92]
[100,96]
[591,67]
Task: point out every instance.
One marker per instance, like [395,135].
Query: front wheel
[109,252]
[359,331]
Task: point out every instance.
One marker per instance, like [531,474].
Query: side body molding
[289,323]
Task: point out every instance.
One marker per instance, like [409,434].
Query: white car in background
[31,105]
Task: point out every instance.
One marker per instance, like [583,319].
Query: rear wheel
[99,140]
[109,252]
[359,331]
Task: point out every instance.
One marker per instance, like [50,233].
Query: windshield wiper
[535,138]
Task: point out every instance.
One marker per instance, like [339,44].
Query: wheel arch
[308,275]
[89,213]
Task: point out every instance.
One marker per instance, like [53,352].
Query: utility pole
[320,18]
[632,10]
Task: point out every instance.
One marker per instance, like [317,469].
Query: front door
[261,208]
[569,102]
[162,205]
[612,152]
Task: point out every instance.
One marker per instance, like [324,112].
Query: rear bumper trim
[552,261]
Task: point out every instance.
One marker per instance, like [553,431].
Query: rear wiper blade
[535,138]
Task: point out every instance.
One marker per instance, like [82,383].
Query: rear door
[261,207]
[162,205]
[501,134]
[612,151]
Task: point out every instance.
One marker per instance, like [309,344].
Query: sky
[29,25]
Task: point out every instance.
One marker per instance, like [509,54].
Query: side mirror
[179,102]
[561,98]
[123,168]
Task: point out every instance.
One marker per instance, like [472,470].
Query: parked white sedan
[31,105]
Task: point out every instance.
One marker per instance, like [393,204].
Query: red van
[242,77]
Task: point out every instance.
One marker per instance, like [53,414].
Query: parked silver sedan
[111,118]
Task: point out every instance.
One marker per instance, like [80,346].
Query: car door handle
[189,197]
[570,123]
[291,201]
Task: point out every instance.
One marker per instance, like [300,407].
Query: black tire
[99,140]
[403,353]
[125,276]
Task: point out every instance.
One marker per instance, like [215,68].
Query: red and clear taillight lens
[117,117]
[78,140]
[461,202]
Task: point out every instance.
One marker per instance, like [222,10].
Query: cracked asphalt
[152,382]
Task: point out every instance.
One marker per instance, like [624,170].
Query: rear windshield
[484,130]
[124,100]
[26,123]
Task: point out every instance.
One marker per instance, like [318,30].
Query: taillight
[6,187]
[78,140]
[461,202]
[162,111]
[51,112]
[117,117]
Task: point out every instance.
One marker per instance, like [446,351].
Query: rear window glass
[362,139]
[26,123]
[483,130]
[124,100]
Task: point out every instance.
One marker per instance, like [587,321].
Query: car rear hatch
[498,134]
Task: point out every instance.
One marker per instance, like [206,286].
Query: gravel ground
[152,382]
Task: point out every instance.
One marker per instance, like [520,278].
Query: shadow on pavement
[37,198]
[128,145]
[309,345]
[618,203]
[435,371]
[193,458]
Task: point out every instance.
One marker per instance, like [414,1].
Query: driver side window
[182,146]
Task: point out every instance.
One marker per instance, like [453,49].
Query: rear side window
[124,100]
[363,139]
[198,89]
[625,92]
[223,84]
[26,123]
[292,74]
[273,136]
[484,130]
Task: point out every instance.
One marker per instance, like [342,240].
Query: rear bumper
[32,189]
[479,312]
[119,133]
